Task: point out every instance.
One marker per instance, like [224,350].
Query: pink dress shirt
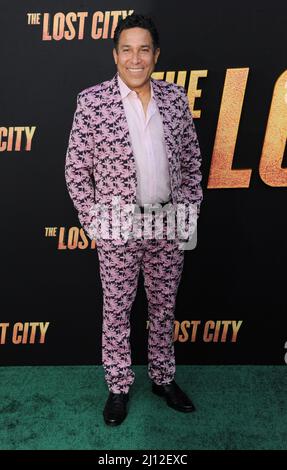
[147,139]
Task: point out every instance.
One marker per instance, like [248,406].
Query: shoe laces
[117,398]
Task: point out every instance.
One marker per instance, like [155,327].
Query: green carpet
[238,407]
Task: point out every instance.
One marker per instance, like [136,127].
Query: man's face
[135,58]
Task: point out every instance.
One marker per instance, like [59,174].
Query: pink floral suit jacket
[100,163]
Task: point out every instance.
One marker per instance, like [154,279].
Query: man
[133,137]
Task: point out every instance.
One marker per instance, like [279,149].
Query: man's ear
[115,55]
[157,53]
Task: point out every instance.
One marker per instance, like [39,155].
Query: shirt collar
[125,90]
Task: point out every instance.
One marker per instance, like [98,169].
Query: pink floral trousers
[161,262]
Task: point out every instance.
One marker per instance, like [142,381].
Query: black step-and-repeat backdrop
[232,60]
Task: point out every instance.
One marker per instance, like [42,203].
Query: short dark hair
[137,21]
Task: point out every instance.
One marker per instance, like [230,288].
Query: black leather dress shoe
[174,396]
[115,409]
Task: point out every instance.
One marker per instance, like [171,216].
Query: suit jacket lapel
[122,123]
[122,133]
[163,103]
